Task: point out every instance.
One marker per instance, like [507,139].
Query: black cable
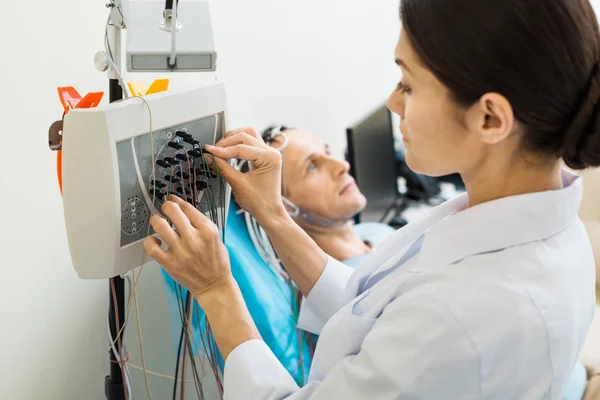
[179,348]
[177,365]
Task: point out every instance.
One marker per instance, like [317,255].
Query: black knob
[157,193]
[182,134]
[163,163]
[183,175]
[201,185]
[195,153]
[171,178]
[179,189]
[189,139]
[171,161]
[205,172]
[175,145]
[181,157]
[158,184]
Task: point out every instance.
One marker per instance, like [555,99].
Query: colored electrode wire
[185,335]
[158,374]
[187,169]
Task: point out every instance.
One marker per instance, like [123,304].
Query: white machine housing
[149,47]
[101,187]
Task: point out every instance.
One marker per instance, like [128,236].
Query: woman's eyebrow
[403,65]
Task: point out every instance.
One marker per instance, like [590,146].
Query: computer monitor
[373,163]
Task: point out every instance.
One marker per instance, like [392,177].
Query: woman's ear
[492,118]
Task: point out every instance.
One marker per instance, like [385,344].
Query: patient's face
[317,182]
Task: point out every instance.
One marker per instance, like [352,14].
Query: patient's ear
[277,142]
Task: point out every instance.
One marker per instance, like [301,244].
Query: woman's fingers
[198,220]
[154,250]
[180,220]
[249,130]
[241,151]
[230,174]
[240,138]
[162,227]
[156,240]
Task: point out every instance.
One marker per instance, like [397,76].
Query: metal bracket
[55,135]
[116,14]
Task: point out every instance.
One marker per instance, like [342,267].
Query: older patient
[322,196]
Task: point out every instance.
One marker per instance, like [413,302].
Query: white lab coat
[495,305]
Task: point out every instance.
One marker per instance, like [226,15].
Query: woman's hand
[198,260]
[259,190]
[196,257]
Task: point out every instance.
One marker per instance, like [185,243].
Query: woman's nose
[396,104]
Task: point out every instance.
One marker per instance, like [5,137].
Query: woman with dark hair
[491,294]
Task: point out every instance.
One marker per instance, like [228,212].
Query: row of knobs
[159,186]
[159,189]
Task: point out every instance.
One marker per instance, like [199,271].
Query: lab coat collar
[499,224]
[387,255]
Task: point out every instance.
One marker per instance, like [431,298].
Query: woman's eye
[402,88]
[312,166]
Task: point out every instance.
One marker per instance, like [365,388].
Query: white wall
[315,64]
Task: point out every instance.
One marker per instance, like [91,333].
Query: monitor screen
[373,162]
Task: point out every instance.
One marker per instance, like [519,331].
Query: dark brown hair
[542,55]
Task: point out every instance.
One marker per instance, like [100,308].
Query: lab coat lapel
[390,251]
[502,223]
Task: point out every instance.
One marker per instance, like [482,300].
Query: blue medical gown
[271,301]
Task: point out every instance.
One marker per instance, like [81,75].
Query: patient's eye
[311,166]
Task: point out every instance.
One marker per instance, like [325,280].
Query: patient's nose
[340,167]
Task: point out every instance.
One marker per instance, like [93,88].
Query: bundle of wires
[213,201]
[183,170]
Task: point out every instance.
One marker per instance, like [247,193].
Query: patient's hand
[196,257]
[259,190]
